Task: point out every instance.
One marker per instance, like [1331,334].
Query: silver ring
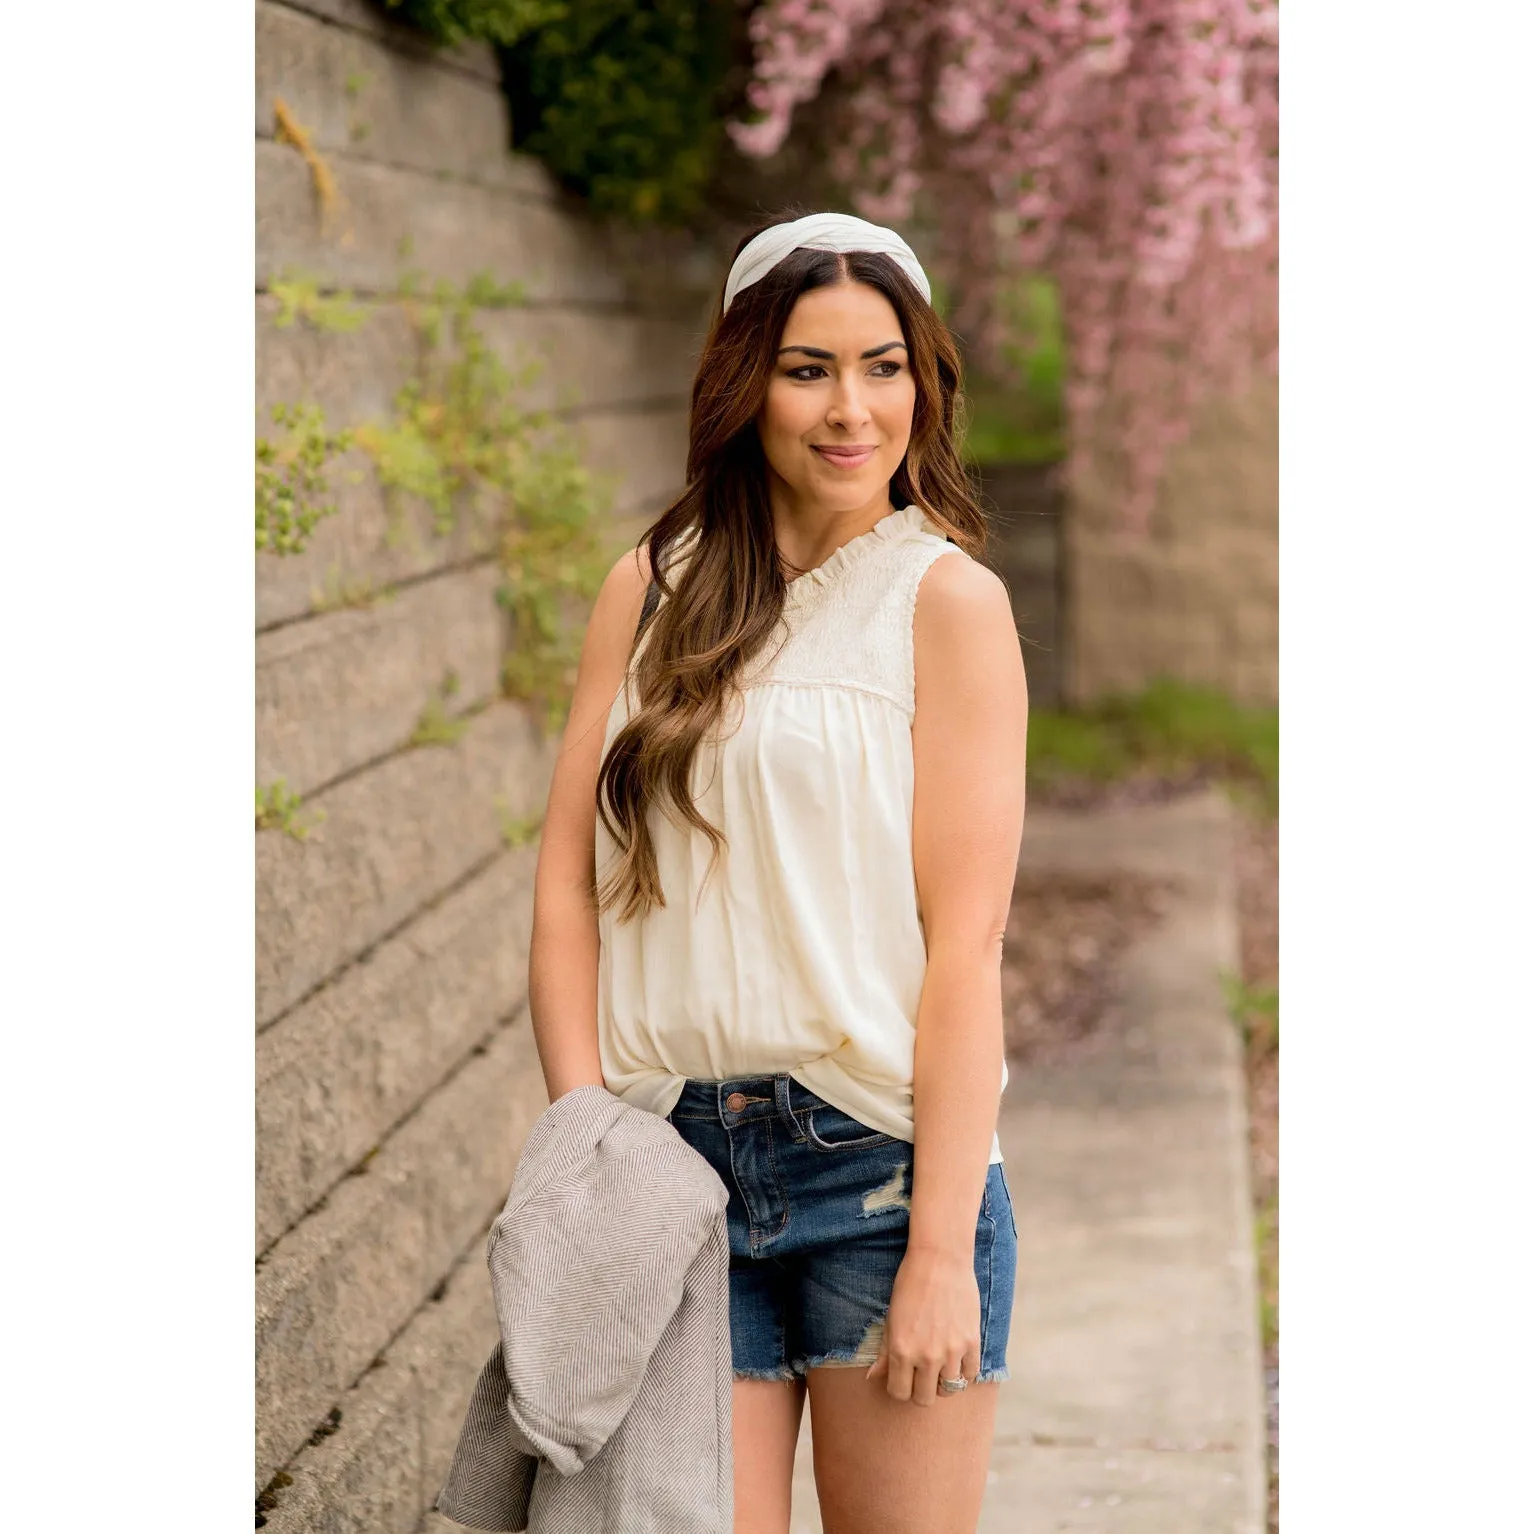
[953,1387]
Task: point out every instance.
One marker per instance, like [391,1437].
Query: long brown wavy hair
[726,604]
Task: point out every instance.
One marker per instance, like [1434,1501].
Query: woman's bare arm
[562,966]
[969,739]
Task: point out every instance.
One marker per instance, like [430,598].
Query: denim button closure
[735,1101]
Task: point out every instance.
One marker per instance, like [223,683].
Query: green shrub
[1019,417]
[624,103]
[491,21]
[1068,745]
[1170,727]
[1178,725]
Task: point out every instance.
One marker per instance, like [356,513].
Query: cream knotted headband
[821,231]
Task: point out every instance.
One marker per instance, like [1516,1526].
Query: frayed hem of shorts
[846,1358]
[842,1358]
[783,1372]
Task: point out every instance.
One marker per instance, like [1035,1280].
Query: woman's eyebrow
[825,356]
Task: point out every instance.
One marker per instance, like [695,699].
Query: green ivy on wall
[299,297]
[293,477]
[278,809]
[460,442]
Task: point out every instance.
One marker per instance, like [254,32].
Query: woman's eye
[813,371]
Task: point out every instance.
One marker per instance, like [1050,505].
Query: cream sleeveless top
[804,951]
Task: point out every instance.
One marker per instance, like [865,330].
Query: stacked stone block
[396,1073]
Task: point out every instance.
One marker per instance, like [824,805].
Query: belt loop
[786,1112]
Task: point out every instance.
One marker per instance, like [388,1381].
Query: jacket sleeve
[490,1482]
[586,1278]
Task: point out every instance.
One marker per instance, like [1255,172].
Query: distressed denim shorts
[819,1214]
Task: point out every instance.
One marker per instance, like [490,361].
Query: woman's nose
[846,407]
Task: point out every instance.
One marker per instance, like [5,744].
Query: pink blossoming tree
[1127,147]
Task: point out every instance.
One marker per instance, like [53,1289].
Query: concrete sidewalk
[1135,1404]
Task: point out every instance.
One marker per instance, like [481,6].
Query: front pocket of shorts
[832,1130]
[1007,1189]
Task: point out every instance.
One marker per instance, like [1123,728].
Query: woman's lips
[845,457]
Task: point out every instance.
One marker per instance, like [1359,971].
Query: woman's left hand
[933,1326]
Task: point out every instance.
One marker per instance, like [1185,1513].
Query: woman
[801,794]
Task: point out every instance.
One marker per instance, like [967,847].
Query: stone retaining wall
[1197,598]
[396,1073]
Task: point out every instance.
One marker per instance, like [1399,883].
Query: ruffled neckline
[890,527]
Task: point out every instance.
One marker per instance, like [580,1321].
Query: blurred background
[489,234]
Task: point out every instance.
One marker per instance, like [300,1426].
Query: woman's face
[837,417]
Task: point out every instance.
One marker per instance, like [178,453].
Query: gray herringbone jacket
[605,1407]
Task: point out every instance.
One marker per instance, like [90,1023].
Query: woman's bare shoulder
[964,630]
[956,593]
[615,614]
